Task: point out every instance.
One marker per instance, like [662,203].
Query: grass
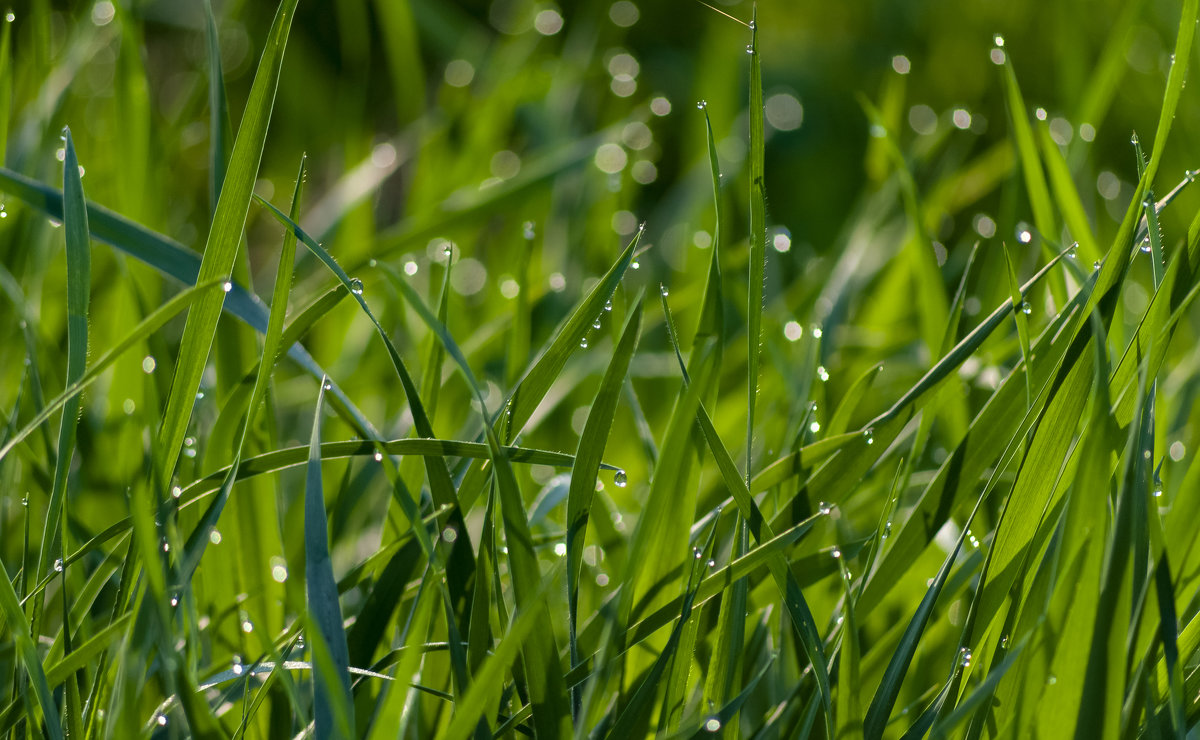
[857,403]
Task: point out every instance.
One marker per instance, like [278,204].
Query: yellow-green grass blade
[6,83]
[1175,81]
[1154,237]
[840,420]
[588,454]
[391,718]
[794,601]
[1168,633]
[221,249]
[849,707]
[1014,286]
[218,112]
[1027,154]
[332,705]
[1067,197]
[25,649]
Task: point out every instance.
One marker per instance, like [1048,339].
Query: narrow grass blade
[1168,630]
[79,277]
[596,431]
[840,420]
[330,700]
[758,238]
[1031,165]
[28,655]
[223,240]
[849,707]
[1020,316]
[218,112]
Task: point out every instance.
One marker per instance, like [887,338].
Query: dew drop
[713,724]
[527,230]
[836,553]
[1146,245]
[378,456]
[58,566]
[1024,236]
[1026,308]
[238,668]
[1134,138]
[1158,489]
[620,480]
[356,286]
[596,323]
[998,40]
[1004,642]
[702,104]
[822,373]
[1052,679]
[964,657]
[749,48]
[824,507]
[328,385]
[608,305]
[663,290]
[887,529]
[174,601]
[1072,250]
[696,553]
[636,265]
[583,342]
[1190,175]
[226,286]
[869,436]
[161,720]
[176,492]
[752,25]
[1096,265]
[711,563]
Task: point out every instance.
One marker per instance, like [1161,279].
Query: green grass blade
[223,240]
[596,431]
[1175,81]
[28,654]
[758,238]
[79,278]
[218,112]
[849,709]
[1020,316]
[332,702]
[849,403]
[1031,165]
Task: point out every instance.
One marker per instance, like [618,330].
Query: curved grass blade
[224,238]
[841,416]
[596,431]
[330,701]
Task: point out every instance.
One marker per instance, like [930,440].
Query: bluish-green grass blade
[322,594]
[224,237]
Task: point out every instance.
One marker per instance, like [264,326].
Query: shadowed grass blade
[331,701]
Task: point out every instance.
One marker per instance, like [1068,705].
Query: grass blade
[333,706]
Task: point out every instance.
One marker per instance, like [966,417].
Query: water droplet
[356,286]
[174,601]
[964,657]
[373,263]
[247,626]
[1004,642]
[25,501]
[583,342]
[1026,308]
[752,25]
[328,385]
[189,441]
[1024,236]
[1072,250]
[527,230]
[1096,265]
[160,720]
[176,492]
[166,546]
[1134,138]
[1190,175]
[836,553]
[711,563]
[378,456]
[814,427]
[822,373]
[1158,488]
[702,104]
[696,553]
[1146,245]
[636,265]
[998,40]
[238,668]
[596,323]
[214,537]
[824,507]
[447,250]
[887,529]
[663,290]
[619,479]
[713,724]
[226,286]
[58,566]
[749,48]
[1052,679]
[869,436]
[608,305]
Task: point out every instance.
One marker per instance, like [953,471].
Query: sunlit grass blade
[218,111]
[221,248]
[1020,316]
[332,701]
[758,238]
[840,420]
[596,431]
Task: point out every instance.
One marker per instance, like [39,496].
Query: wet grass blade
[1020,316]
[332,700]
[758,239]
[596,431]
[28,655]
[221,248]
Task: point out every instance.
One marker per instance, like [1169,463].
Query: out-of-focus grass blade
[79,278]
[1031,165]
[29,656]
[758,238]
[841,416]
[218,112]
[1175,81]
[322,594]
[148,326]
[1168,632]
[221,248]
[1067,197]
[587,463]
[390,715]
[6,83]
